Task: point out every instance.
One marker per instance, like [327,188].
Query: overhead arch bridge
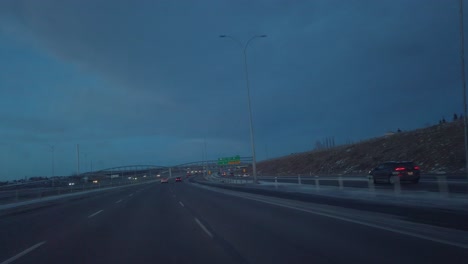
[138,171]
[213,164]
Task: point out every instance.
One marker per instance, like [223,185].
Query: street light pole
[252,138]
[205,158]
[462,58]
[52,148]
[78,159]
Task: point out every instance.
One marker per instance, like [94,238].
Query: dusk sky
[146,82]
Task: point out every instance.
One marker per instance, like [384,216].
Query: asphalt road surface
[183,223]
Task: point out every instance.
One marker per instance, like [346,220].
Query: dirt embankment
[439,148]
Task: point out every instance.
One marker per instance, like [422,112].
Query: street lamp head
[263,36]
[222,36]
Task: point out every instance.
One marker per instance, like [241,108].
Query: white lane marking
[96,213]
[181,204]
[130,195]
[203,227]
[173,195]
[118,201]
[10,260]
[390,229]
[368,224]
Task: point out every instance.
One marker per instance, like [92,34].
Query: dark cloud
[157,70]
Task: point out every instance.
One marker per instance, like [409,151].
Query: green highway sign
[229,160]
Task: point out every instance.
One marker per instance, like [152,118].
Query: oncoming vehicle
[164,180]
[178,179]
[392,171]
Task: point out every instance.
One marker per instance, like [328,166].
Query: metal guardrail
[439,184]
[34,190]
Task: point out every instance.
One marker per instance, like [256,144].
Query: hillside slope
[439,148]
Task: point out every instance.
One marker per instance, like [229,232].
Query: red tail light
[400,168]
[416,167]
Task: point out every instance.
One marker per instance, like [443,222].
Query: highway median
[33,204]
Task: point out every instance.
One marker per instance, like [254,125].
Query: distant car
[159,175]
[178,179]
[188,174]
[391,171]
[164,180]
[245,175]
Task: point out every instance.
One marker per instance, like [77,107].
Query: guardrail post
[443,187]
[276,182]
[340,182]
[397,186]
[317,183]
[299,179]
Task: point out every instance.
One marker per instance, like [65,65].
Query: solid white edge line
[367,224]
[181,204]
[118,201]
[96,213]
[10,260]
[130,195]
[455,244]
[203,227]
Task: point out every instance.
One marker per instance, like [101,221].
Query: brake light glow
[400,168]
[416,167]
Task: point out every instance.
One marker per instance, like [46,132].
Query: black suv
[391,171]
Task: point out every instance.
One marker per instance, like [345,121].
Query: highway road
[185,223]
